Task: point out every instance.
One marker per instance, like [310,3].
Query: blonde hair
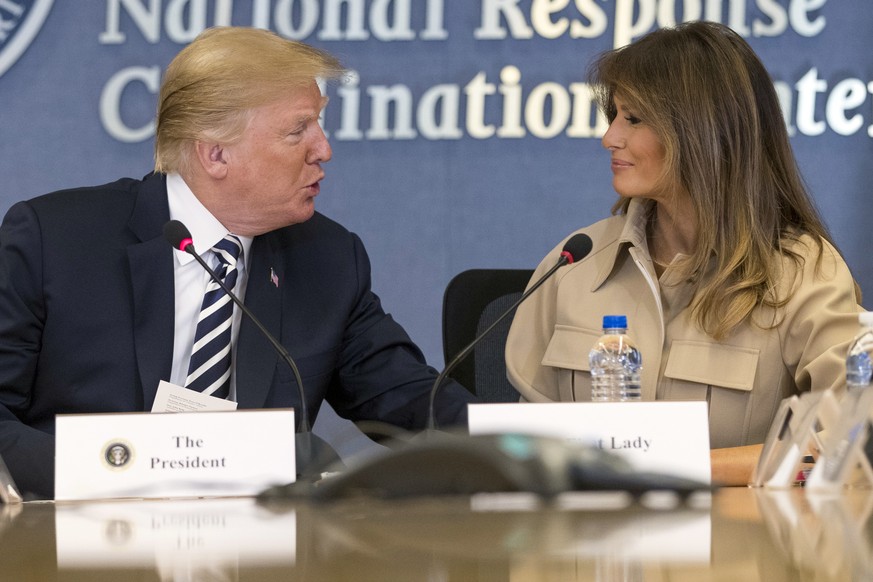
[712,103]
[213,83]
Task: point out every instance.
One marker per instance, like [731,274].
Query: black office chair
[473,300]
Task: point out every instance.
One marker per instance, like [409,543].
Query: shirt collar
[205,229]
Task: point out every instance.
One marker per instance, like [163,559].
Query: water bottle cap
[865,318]
[614,321]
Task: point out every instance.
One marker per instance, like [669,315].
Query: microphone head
[577,248]
[178,235]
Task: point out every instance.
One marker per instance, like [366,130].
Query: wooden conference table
[737,534]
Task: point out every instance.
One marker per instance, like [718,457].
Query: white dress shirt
[190,279]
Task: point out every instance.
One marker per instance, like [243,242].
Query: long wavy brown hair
[712,103]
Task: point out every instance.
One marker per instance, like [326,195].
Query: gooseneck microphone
[178,235]
[575,249]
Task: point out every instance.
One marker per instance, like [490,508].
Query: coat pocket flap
[713,364]
[569,347]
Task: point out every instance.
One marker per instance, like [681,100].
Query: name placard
[664,437]
[202,454]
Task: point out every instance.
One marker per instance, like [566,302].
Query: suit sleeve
[382,374]
[28,452]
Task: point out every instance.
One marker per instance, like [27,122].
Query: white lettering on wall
[587,120]
[332,27]
[437,113]
[350,98]
[808,88]
[510,88]
[544,111]
[301,29]
[146,18]
[386,20]
[535,110]
[480,109]
[110,103]
[847,95]
[799,16]
[632,19]
[491,27]
[383,100]
[392,20]
[626,27]
[476,91]
[384,12]
[434,26]
[183,19]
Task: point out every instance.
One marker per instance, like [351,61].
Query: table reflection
[827,532]
[740,534]
[208,538]
[580,537]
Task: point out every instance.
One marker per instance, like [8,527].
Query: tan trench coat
[743,378]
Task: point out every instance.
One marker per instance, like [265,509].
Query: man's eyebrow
[308,116]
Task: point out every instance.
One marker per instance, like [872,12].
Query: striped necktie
[209,369]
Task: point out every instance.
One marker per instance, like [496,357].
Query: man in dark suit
[96,307]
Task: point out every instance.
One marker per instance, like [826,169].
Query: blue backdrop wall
[464,139]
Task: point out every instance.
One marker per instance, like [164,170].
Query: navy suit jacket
[87,316]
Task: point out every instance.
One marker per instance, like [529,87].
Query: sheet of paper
[174,398]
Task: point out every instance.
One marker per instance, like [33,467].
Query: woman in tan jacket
[733,288]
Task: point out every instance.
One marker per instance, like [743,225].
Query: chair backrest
[473,300]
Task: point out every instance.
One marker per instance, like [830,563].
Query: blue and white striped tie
[209,369]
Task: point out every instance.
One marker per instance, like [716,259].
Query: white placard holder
[848,446]
[9,494]
[186,454]
[662,437]
[796,432]
[779,439]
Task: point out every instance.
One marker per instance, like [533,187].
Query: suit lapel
[256,358]
[151,271]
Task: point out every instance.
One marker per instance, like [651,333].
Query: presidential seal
[20,21]
[117,454]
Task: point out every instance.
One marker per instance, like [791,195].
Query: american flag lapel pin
[274,278]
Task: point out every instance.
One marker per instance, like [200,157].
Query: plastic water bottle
[615,364]
[859,368]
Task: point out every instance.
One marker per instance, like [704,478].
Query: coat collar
[633,234]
